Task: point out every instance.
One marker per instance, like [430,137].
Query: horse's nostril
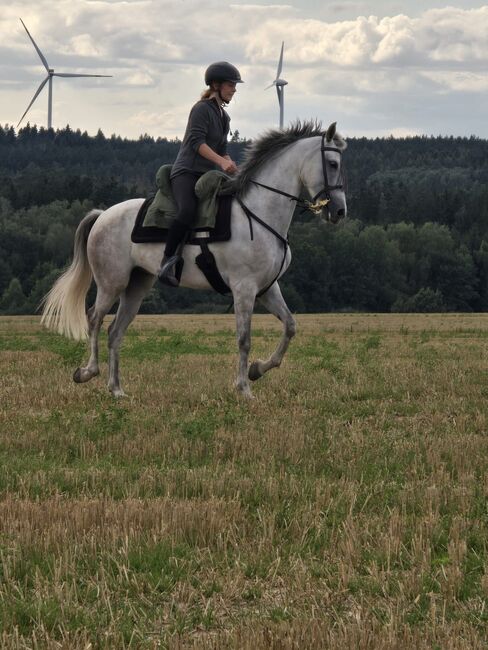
[341,212]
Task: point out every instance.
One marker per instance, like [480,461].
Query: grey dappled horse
[277,166]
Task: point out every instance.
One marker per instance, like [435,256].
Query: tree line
[416,238]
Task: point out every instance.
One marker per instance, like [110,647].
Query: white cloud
[84,45]
[467,82]
[371,67]
[439,36]
[401,132]
[165,122]
[261,8]
[139,78]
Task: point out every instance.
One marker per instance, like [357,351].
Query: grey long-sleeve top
[206,124]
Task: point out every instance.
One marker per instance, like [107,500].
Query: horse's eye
[334,164]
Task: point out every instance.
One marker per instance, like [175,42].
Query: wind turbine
[280,86]
[49,78]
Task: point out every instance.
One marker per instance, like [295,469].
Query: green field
[344,508]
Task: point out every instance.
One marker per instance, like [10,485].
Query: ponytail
[207,93]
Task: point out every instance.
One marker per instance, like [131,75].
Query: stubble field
[345,507]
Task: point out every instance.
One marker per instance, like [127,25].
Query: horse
[277,167]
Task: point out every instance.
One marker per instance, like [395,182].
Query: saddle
[215,191]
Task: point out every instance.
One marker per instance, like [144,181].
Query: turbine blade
[279,91]
[69,74]
[41,55]
[280,63]
[270,86]
[34,98]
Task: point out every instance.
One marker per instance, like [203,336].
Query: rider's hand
[228,166]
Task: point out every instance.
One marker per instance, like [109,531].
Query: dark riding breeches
[183,186]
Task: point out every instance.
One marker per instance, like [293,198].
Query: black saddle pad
[151,234]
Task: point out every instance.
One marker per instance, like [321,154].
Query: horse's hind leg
[243,307]
[95,316]
[274,303]
[130,302]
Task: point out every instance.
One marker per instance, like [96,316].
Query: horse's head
[323,176]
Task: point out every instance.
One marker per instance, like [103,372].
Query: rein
[284,240]
[315,205]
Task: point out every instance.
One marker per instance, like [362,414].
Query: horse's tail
[63,308]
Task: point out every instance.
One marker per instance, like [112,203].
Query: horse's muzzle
[335,217]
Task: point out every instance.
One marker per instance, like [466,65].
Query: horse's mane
[272,142]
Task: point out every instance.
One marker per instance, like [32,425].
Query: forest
[415,240]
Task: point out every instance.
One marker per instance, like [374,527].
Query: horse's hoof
[82,375]
[254,372]
[118,393]
[243,390]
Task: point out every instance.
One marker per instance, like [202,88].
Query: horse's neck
[281,173]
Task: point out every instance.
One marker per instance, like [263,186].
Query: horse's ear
[331,131]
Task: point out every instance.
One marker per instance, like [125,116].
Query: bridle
[316,205]
[327,189]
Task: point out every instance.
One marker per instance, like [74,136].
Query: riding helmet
[222,71]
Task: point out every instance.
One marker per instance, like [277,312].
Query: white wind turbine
[49,78]
[280,86]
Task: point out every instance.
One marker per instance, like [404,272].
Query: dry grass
[345,507]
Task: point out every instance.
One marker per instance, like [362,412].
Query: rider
[204,148]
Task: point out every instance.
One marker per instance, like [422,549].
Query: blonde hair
[207,93]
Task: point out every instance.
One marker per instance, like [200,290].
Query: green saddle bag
[208,188]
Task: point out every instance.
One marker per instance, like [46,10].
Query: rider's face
[227,90]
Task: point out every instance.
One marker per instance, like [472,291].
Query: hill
[416,238]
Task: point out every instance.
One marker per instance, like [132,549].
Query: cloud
[164,122]
[438,37]
[138,78]
[401,132]
[455,81]
[340,7]
[382,73]
[84,45]
[265,9]
[165,31]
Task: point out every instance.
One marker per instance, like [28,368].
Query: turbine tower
[49,78]
[280,86]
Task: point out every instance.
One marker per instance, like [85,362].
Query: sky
[380,68]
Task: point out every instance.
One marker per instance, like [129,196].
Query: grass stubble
[345,507]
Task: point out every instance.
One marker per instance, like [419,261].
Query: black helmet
[222,71]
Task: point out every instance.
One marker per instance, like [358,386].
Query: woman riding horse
[278,166]
[204,148]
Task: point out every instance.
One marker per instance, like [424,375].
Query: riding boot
[174,242]
[167,273]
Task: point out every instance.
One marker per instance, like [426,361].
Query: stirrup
[166,274]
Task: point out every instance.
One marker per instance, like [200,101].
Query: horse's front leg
[243,307]
[275,304]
